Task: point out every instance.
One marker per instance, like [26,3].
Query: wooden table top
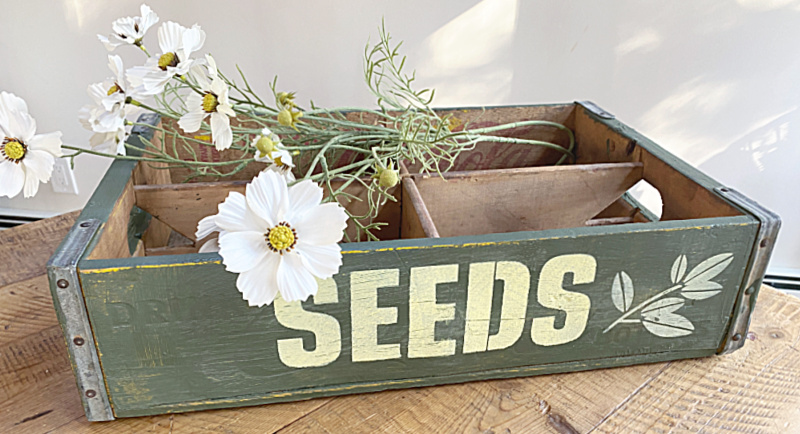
[755,389]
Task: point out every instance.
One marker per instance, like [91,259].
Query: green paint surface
[174,334]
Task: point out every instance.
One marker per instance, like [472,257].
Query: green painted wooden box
[508,267]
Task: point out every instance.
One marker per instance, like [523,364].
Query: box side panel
[177,336]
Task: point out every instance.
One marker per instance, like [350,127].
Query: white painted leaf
[701,290]
[709,268]
[670,325]
[678,269]
[622,291]
[665,305]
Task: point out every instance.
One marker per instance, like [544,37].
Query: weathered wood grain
[26,249]
[181,206]
[685,192]
[534,198]
[113,241]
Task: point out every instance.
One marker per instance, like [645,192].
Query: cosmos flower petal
[305,195]
[110,45]
[266,197]
[259,286]
[192,40]
[38,164]
[322,261]
[50,142]
[115,65]
[295,282]
[10,102]
[17,122]
[170,37]
[242,251]
[191,121]
[206,227]
[38,168]
[210,246]
[221,131]
[12,178]
[321,225]
[149,18]
[235,215]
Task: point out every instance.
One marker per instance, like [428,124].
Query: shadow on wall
[769,155]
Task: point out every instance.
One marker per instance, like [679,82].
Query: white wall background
[717,82]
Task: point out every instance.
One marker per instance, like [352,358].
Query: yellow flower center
[168,59]
[113,89]
[210,102]
[265,145]
[13,149]
[281,238]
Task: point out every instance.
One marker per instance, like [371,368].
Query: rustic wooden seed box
[507,267]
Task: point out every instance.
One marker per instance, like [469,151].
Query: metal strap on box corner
[78,332]
[765,241]
[594,108]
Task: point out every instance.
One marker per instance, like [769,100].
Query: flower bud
[388,178]
[265,145]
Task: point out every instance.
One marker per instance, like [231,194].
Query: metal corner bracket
[770,223]
[594,108]
[71,309]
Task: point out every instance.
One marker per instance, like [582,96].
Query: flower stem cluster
[338,148]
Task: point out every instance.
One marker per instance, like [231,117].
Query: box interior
[494,188]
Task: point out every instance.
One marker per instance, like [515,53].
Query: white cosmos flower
[130,30]
[279,238]
[109,127]
[26,158]
[177,44]
[270,150]
[107,116]
[214,102]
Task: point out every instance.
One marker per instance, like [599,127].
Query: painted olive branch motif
[657,312]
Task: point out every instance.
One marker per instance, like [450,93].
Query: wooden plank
[173,341]
[181,206]
[493,155]
[538,198]
[113,241]
[685,192]
[26,249]
[682,197]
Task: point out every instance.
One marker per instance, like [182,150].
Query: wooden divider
[534,198]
